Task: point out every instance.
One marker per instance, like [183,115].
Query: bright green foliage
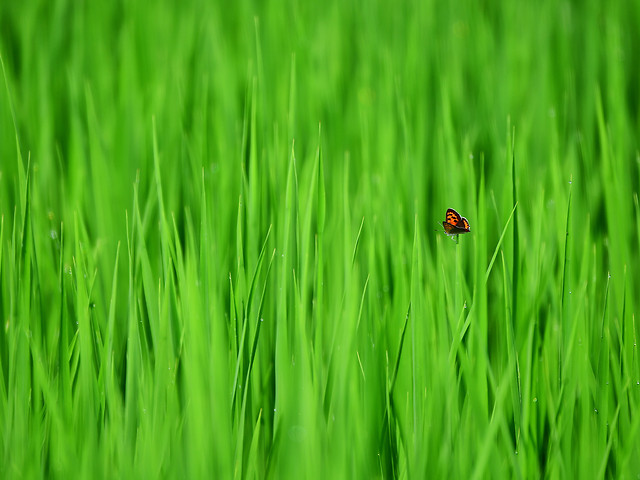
[217,245]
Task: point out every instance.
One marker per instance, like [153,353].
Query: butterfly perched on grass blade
[455,224]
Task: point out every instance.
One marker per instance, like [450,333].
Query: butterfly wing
[453,217]
[454,223]
[448,228]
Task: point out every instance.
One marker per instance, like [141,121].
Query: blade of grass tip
[357,243]
[283,330]
[85,384]
[291,114]
[602,358]
[25,212]
[133,354]
[245,322]
[565,308]
[399,354]
[488,441]
[107,354]
[495,252]
[479,307]
[205,243]
[346,214]
[254,348]
[241,282]
[388,428]
[64,352]
[178,259]
[362,297]
[150,323]
[253,462]
[183,274]
[258,268]
[287,252]
[631,448]
[176,329]
[416,302]
[244,140]
[252,211]
[235,340]
[306,227]
[612,426]
[259,63]
[22,176]
[165,235]
[19,384]
[516,243]
[321,209]
[249,177]
[259,321]
[458,335]
[512,357]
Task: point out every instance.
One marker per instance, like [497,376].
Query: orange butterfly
[455,224]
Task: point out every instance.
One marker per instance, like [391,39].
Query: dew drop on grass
[53,234]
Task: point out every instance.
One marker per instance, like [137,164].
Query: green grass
[217,245]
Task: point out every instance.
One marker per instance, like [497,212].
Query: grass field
[217,245]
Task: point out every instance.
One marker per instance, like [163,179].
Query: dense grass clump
[217,245]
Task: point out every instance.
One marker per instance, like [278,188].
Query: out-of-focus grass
[217,253]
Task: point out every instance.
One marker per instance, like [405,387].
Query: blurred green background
[218,256]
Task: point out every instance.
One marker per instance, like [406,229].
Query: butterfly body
[455,224]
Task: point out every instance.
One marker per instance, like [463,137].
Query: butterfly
[455,224]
